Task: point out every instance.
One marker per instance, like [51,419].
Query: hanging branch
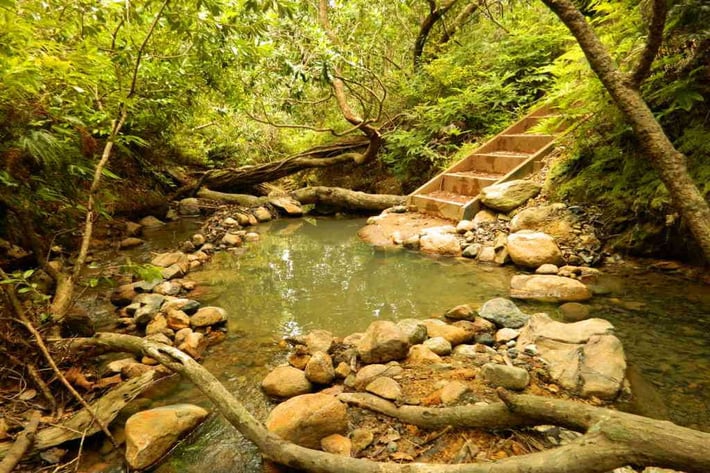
[659,12]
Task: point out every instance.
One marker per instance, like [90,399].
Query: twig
[22,443]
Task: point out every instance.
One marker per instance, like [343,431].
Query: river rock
[130,242]
[505,335]
[508,195]
[150,221]
[508,377]
[503,312]
[174,271]
[123,295]
[487,254]
[189,206]
[150,434]
[386,388]
[194,344]
[583,357]
[413,329]
[252,237]
[471,251]
[422,355]
[368,373]
[168,288]
[262,214]
[547,288]
[461,312]
[177,319]
[484,217]
[440,243]
[453,334]
[383,341]
[232,239]
[306,419]
[286,382]
[453,392]
[438,345]
[133,229]
[319,340]
[157,325]
[145,314]
[465,226]
[164,260]
[361,439]
[319,368]
[207,316]
[533,249]
[550,219]
[134,370]
[574,311]
[547,269]
[336,444]
[288,204]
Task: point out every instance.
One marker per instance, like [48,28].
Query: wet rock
[508,195]
[252,237]
[174,271]
[603,367]
[231,239]
[505,335]
[453,392]
[168,288]
[353,339]
[150,434]
[198,239]
[508,377]
[133,229]
[286,382]
[413,329]
[487,254]
[547,269]
[194,344]
[438,345]
[336,444]
[145,314]
[150,222]
[386,388]
[368,373]
[471,251]
[164,260]
[484,339]
[308,418]
[262,214]
[461,312]
[177,319]
[465,226]
[157,325]
[383,341]
[440,243]
[123,295]
[319,340]
[503,312]
[188,306]
[484,217]
[574,311]
[299,358]
[207,316]
[533,249]
[421,355]
[581,273]
[454,335]
[547,288]
[411,243]
[319,368]
[189,207]
[181,335]
[287,204]
[130,242]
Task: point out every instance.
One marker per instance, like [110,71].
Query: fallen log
[612,439]
[337,197]
[83,421]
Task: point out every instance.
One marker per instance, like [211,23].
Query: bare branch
[659,12]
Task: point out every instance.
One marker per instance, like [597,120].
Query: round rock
[285,382]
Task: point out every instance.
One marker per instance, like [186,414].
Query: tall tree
[669,163]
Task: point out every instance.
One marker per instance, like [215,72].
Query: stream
[316,273]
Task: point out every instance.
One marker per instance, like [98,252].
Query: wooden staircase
[512,154]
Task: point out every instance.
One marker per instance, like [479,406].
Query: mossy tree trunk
[665,159]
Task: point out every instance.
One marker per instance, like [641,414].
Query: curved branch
[659,12]
[458,22]
[435,14]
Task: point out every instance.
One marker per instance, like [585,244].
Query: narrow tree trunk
[665,159]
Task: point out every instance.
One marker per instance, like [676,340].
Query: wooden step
[467,184]
[435,203]
[495,162]
[517,143]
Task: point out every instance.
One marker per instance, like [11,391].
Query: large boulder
[509,195]
[306,419]
[583,357]
[533,249]
[150,434]
[503,312]
[440,243]
[383,341]
[286,381]
[548,288]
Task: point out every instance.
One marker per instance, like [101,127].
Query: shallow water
[316,273]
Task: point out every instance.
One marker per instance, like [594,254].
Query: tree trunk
[613,439]
[665,159]
[435,14]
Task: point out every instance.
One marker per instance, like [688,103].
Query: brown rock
[164,260]
[177,319]
[285,382]
[157,325]
[419,355]
[320,368]
[547,288]
[383,341]
[453,392]
[574,312]
[307,419]
[207,316]
[461,312]
[533,249]
[336,444]
[194,345]
[130,242]
[454,335]
[386,388]
[319,340]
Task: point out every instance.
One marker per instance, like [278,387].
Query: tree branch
[659,12]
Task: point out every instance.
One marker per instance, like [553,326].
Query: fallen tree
[611,439]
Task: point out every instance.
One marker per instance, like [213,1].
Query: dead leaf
[401,457]
[27,394]
[77,378]
[106,382]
